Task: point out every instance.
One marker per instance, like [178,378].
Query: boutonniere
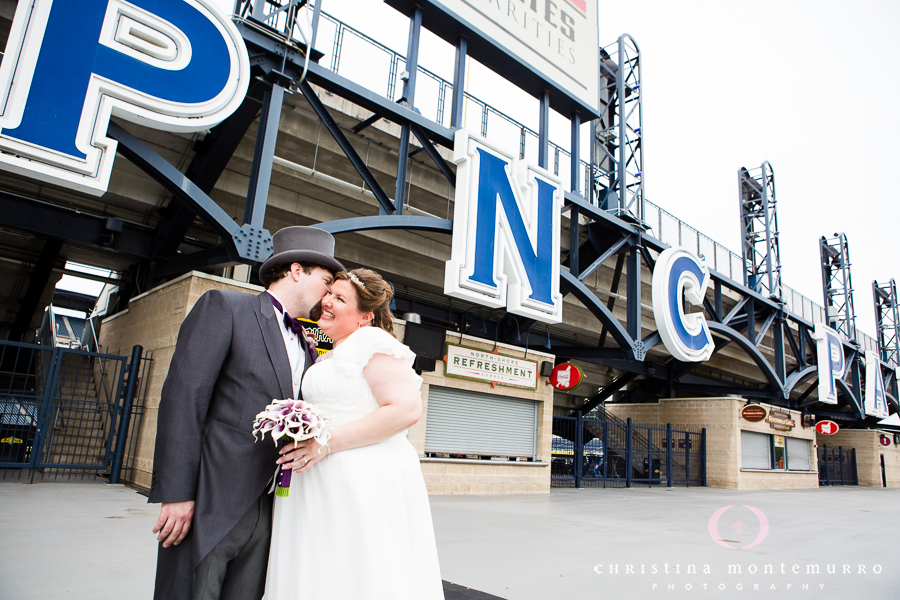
[311,344]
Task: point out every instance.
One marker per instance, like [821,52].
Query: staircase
[80,421]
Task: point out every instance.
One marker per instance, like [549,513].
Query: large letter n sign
[506,225]
[70,65]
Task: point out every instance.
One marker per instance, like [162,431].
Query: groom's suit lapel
[275,345]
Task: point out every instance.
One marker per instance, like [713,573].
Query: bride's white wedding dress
[357,525]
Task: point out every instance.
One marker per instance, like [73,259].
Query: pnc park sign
[181,66]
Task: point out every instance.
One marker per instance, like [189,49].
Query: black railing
[588,452]
[837,466]
[61,411]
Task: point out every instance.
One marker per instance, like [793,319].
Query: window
[755,449]
[471,424]
[798,452]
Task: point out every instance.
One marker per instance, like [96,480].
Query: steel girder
[747,324]
[246,243]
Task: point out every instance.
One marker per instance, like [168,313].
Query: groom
[236,352]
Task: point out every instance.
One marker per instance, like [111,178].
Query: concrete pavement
[93,541]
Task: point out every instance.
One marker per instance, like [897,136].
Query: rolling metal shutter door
[798,454]
[755,450]
[463,422]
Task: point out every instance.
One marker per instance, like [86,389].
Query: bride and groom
[356,524]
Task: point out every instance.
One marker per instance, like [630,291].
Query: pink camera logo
[738,527]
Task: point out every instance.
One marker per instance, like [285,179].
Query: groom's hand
[174,522]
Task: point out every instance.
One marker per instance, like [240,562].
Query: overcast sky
[808,85]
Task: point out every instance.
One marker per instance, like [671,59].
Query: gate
[64,411]
[837,466]
[589,452]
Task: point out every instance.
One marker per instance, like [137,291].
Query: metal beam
[432,152]
[338,134]
[387,222]
[263,154]
[40,277]
[341,86]
[544,130]
[459,83]
[218,256]
[173,180]
[754,354]
[251,243]
[604,315]
[409,98]
[76,227]
[794,379]
[601,259]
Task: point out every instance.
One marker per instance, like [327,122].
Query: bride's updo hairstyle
[373,294]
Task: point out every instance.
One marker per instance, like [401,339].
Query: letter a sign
[70,65]
[506,225]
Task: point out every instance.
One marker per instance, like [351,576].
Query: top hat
[303,245]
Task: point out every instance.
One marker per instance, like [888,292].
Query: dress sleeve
[355,353]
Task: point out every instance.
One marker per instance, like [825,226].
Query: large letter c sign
[681,275]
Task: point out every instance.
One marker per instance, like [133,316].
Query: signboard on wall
[481,365]
[780,420]
[754,413]
[550,41]
[323,342]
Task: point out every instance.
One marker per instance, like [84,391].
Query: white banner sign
[557,38]
[471,363]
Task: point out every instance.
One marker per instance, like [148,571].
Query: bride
[357,523]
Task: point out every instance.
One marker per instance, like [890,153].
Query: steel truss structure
[779,343]
[759,230]
[887,321]
[837,287]
[618,148]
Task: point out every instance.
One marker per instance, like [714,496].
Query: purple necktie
[292,324]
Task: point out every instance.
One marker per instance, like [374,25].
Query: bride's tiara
[356,280]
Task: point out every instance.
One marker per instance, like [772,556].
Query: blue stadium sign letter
[678,276]
[70,65]
[830,358]
[505,232]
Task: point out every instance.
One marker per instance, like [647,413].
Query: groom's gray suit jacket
[229,363]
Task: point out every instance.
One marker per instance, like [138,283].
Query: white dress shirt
[295,352]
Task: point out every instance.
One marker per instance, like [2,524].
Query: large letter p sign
[70,65]
[832,366]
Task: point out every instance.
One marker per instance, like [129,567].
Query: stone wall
[723,423]
[868,454]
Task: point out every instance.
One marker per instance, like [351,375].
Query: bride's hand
[300,456]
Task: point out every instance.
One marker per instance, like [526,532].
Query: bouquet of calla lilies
[287,420]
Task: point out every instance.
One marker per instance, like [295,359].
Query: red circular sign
[566,376]
[827,427]
[885,440]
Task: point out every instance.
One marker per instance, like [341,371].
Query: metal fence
[61,411]
[589,452]
[837,466]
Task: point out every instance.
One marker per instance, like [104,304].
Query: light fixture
[546,344]
[517,338]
